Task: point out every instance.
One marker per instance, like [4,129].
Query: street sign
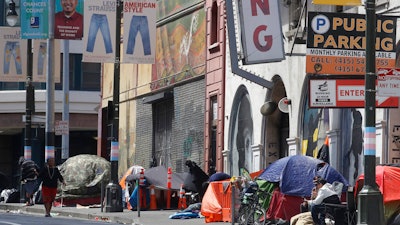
[344,93]
[388,82]
[61,127]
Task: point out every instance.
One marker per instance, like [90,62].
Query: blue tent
[295,174]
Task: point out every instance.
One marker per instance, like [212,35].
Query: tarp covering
[83,175]
[216,203]
[131,170]
[283,206]
[295,174]
[388,180]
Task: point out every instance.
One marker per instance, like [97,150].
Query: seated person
[325,194]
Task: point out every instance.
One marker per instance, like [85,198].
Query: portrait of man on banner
[68,19]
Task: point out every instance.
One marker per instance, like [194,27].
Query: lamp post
[113,189]
[12,20]
[370,199]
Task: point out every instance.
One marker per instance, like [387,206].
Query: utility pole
[49,148]
[370,200]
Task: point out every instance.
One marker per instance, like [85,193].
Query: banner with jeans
[99,31]
[13,55]
[34,19]
[39,60]
[140,31]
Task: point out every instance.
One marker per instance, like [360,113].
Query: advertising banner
[39,61]
[344,93]
[34,19]
[261,31]
[99,31]
[13,48]
[68,20]
[336,43]
[139,31]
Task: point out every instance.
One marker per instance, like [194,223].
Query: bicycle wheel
[242,215]
[256,216]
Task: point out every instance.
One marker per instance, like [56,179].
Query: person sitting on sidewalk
[325,194]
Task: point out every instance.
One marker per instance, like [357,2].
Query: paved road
[94,214]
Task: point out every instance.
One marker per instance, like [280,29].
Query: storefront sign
[336,43]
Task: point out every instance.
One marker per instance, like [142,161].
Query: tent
[295,174]
[388,179]
[84,175]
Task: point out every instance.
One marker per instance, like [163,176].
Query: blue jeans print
[13,49]
[139,24]
[99,21]
[41,57]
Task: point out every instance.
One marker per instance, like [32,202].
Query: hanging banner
[336,43]
[34,19]
[140,31]
[68,20]
[337,2]
[39,61]
[261,31]
[13,48]
[99,31]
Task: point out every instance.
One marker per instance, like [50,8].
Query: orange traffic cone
[153,199]
[182,198]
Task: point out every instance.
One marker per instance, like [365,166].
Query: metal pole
[115,126]
[49,148]
[65,112]
[113,189]
[370,199]
[30,102]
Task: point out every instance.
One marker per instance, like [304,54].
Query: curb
[89,216]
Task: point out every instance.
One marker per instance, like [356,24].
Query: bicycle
[250,211]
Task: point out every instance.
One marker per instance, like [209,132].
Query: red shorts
[48,194]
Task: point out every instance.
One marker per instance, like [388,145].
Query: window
[214,24]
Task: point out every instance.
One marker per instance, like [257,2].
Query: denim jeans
[13,49]
[139,24]
[41,57]
[99,21]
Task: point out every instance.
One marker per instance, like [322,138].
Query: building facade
[83,97]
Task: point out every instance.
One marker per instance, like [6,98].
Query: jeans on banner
[99,21]
[41,57]
[13,49]
[139,24]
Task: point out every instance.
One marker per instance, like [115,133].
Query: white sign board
[262,31]
[388,82]
[61,127]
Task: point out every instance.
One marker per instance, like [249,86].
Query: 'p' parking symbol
[320,24]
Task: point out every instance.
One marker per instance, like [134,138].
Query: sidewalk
[126,217]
